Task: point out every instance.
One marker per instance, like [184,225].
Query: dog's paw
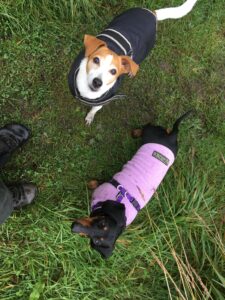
[136,133]
[92,184]
[89,118]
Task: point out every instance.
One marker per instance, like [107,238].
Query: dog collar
[122,193]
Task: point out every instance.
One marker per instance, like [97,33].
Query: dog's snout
[97,83]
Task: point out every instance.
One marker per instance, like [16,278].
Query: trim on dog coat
[132,33]
[140,177]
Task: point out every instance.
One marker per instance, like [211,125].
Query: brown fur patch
[93,184]
[128,66]
[91,44]
[123,64]
[85,221]
[136,133]
[83,234]
[101,53]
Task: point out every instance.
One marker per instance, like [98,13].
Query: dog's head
[103,227]
[105,66]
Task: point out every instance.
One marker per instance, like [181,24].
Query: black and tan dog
[116,203]
[98,70]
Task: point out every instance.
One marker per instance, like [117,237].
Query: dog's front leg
[90,116]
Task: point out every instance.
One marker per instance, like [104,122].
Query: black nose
[97,83]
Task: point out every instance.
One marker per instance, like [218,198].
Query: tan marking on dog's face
[85,221]
[91,44]
[83,234]
[105,65]
[120,63]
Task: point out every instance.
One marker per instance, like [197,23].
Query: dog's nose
[97,82]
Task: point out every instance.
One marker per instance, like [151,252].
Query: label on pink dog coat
[140,177]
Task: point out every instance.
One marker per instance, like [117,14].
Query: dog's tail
[175,12]
[179,120]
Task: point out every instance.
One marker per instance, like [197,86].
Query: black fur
[159,135]
[107,223]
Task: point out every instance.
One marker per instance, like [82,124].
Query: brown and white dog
[98,70]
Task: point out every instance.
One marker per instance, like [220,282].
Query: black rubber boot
[23,194]
[12,136]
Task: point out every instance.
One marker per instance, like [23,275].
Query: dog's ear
[128,66]
[105,252]
[91,44]
[82,226]
[116,211]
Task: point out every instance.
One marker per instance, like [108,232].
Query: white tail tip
[175,12]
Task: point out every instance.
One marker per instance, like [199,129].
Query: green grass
[175,248]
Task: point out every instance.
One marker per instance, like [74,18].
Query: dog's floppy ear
[91,43]
[128,66]
[82,226]
[105,252]
[116,211]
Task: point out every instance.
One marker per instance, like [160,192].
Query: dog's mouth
[93,89]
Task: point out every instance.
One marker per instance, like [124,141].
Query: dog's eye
[96,241]
[96,60]
[102,224]
[113,71]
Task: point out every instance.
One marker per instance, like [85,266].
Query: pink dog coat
[137,182]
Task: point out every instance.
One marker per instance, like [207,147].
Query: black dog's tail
[179,120]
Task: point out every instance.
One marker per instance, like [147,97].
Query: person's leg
[12,136]
[6,202]
[23,194]
[15,197]
[4,153]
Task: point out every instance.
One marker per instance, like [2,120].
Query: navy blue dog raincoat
[132,33]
